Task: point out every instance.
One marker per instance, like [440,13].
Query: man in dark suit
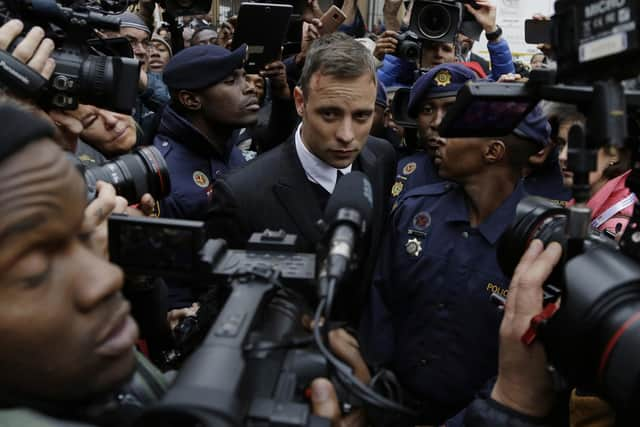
[288,187]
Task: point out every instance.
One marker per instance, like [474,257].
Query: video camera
[255,364]
[88,69]
[442,20]
[590,325]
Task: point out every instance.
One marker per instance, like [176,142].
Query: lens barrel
[133,175]
[434,21]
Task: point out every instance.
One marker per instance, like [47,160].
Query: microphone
[348,213]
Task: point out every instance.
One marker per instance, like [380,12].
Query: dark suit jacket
[273,192]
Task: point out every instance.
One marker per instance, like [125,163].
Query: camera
[132,175]
[442,20]
[593,339]
[591,38]
[408,46]
[85,72]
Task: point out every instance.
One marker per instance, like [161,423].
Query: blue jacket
[194,164]
[399,72]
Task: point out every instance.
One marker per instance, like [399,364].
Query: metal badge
[201,179]
[422,221]
[413,247]
[397,189]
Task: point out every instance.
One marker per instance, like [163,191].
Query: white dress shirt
[317,170]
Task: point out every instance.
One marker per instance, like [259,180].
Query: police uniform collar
[183,132]
[492,227]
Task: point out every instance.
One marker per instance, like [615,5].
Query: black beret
[202,66]
[20,129]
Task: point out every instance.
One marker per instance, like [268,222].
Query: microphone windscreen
[353,191]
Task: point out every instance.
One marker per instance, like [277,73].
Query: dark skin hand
[276,72]
[310,32]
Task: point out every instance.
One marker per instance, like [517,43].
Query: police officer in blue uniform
[429,317]
[210,98]
[431,96]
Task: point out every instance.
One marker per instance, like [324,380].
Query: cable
[345,375]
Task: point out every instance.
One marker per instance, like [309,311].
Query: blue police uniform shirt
[430,318]
[194,164]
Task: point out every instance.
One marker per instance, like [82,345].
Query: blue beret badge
[443,78]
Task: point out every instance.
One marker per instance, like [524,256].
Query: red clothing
[611,193]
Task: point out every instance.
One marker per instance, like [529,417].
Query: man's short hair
[337,55]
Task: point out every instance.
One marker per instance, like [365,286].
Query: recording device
[408,46]
[593,339]
[133,175]
[332,19]
[256,363]
[537,32]
[347,215]
[442,20]
[262,47]
[84,72]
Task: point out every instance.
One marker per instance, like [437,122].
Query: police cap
[198,67]
[535,127]
[440,82]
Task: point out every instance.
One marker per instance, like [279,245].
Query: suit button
[164,144]
[442,306]
[424,362]
[465,234]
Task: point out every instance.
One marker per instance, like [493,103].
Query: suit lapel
[367,162]
[294,193]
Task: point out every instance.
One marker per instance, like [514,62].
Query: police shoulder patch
[409,168]
[201,179]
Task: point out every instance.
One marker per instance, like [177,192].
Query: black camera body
[442,20]
[408,46]
[593,339]
[591,38]
[85,72]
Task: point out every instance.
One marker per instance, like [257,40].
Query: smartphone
[537,32]
[263,27]
[332,19]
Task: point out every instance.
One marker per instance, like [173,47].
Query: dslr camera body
[442,20]
[89,70]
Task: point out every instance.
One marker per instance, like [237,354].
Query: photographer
[394,70]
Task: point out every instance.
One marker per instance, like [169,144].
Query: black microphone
[348,213]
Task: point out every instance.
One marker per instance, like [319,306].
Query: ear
[298,97]
[189,100]
[494,151]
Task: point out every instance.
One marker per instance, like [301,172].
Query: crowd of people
[250,152]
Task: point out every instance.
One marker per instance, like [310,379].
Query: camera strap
[613,210]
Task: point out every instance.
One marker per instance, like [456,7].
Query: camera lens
[434,21]
[132,175]
[109,82]
[408,50]
[536,218]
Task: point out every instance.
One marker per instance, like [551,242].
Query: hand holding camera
[485,14]
[386,43]
[34,50]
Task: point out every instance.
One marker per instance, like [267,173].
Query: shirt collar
[492,227]
[317,170]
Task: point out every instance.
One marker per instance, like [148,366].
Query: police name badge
[200,179]
[397,189]
[413,247]
[443,78]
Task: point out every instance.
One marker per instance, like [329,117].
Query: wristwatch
[494,35]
